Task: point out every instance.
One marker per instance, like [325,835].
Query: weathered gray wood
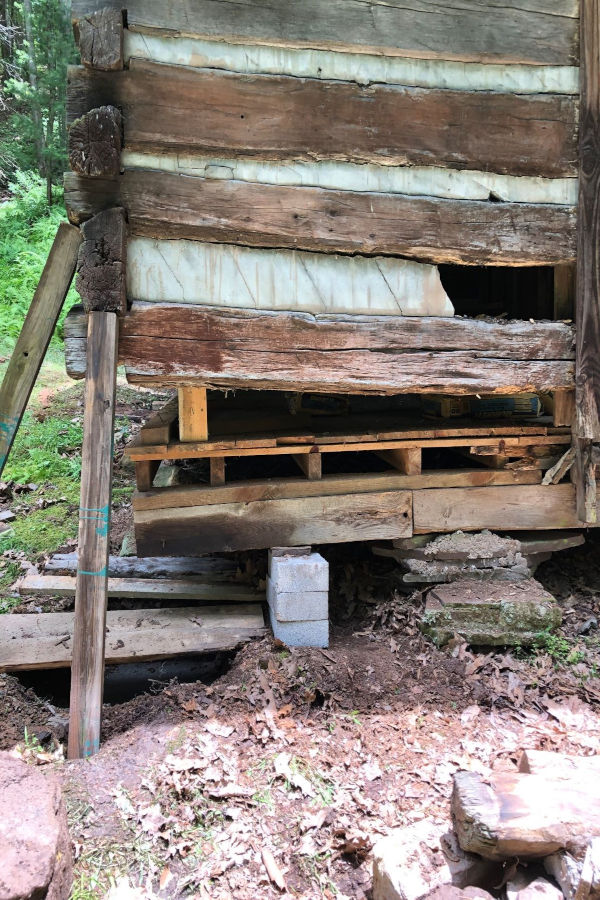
[542,31]
[31,346]
[166,205]
[510,815]
[101,279]
[142,588]
[45,641]
[99,34]
[381,354]
[95,143]
[268,523]
[180,109]
[216,568]
[87,673]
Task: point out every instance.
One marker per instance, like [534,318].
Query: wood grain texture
[271,523]
[99,34]
[433,229]
[501,508]
[212,567]
[31,346]
[177,108]
[193,414]
[95,143]
[87,674]
[45,641]
[144,588]
[346,354]
[542,31]
[101,268]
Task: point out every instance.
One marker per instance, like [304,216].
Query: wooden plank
[504,508]
[101,278]
[143,589]
[193,414]
[281,489]
[542,32]
[159,428]
[145,470]
[563,408]
[310,463]
[36,333]
[87,675]
[181,109]
[408,462]
[217,470]
[165,205]
[135,567]
[99,34]
[227,348]
[95,143]
[273,523]
[45,641]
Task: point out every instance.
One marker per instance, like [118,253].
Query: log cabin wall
[296,176]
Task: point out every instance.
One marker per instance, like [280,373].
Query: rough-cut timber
[143,588]
[101,278]
[510,815]
[214,568]
[166,205]
[36,333]
[46,641]
[95,143]
[180,109]
[355,354]
[99,34]
[270,523]
[541,32]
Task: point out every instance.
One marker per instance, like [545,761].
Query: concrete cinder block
[295,574]
[297,606]
[301,634]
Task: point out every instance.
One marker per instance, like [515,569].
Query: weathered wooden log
[95,143]
[102,263]
[180,109]
[165,205]
[472,31]
[528,816]
[99,34]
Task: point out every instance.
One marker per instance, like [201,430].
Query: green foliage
[45,451]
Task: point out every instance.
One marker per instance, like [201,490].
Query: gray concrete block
[301,634]
[292,574]
[296,606]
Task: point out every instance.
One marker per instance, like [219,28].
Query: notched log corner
[95,142]
[100,39]
[101,266]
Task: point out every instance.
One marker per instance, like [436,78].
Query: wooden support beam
[217,470]
[145,470]
[95,143]
[406,461]
[564,292]
[87,673]
[102,262]
[563,413]
[193,414]
[310,464]
[99,34]
[41,319]
[145,589]
[160,427]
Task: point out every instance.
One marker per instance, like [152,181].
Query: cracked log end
[100,39]
[101,267]
[95,143]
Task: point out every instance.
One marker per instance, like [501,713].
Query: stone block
[294,574]
[297,606]
[301,634]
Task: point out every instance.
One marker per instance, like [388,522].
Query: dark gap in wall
[516,293]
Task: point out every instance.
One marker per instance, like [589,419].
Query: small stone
[566,871]
[538,889]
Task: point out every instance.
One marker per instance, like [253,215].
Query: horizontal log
[181,109]
[543,31]
[345,354]
[167,205]
[270,523]
[213,567]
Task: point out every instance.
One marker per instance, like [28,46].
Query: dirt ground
[276,777]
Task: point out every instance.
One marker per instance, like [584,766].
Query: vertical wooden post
[587,318]
[87,671]
[193,414]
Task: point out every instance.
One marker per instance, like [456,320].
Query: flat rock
[494,614]
[34,837]
[538,889]
[451,892]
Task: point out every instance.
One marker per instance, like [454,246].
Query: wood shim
[202,110]
[95,143]
[471,30]
[45,641]
[427,229]
[102,261]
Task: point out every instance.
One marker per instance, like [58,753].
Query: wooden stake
[37,330]
[87,672]
[193,414]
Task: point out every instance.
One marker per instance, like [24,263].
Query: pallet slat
[140,588]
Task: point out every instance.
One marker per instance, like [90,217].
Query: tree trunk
[36,113]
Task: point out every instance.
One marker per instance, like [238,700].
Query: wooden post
[145,470]
[217,470]
[37,330]
[587,429]
[310,463]
[193,414]
[87,672]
